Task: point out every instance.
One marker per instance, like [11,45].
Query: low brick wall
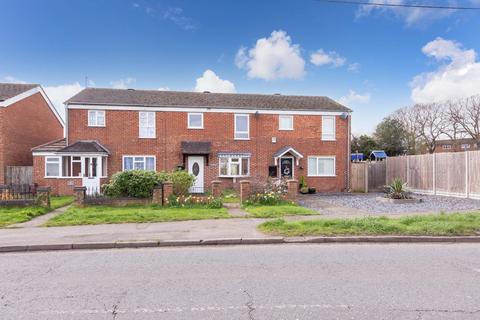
[117,202]
[17,203]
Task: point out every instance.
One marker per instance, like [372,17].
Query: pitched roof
[156,98]
[51,146]
[10,90]
[287,149]
[85,146]
[196,147]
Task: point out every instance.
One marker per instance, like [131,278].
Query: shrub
[194,202]
[182,181]
[396,190]
[133,183]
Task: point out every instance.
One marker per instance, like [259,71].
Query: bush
[182,181]
[194,202]
[133,183]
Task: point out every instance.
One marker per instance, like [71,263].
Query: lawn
[263,211]
[133,214]
[13,215]
[432,225]
[230,196]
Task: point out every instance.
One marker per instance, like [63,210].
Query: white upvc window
[139,163]
[195,120]
[96,118]
[321,166]
[328,128]
[285,122]
[146,124]
[242,127]
[234,166]
[53,166]
[447,146]
[465,146]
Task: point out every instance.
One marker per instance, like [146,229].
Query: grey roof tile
[10,90]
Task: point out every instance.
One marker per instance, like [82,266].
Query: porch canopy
[85,147]
[287,150]
[195,148]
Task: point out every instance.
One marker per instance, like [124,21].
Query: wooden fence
[16,175]
[368,176]
[450,174]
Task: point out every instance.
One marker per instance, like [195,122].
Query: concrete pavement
[348,281]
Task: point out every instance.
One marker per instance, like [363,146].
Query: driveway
[361,204]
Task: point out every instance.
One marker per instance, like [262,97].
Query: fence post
[467,173]
[167,191]
[43,196]
[434,173]
[365,169]
[244,190]
[157,197]
[80,193]
[216,190]
[292,190]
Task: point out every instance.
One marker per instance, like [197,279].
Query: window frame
[195,114]
[280,122]
[97,112]
[237,115]
[140,136]
[59,158]
[329,136]
[240,167]
[320,158]
[144,162]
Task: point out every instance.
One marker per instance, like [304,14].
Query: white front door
[91,168]
[196,167]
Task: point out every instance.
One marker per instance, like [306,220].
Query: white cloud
[320,58]
[458,76]
[411,16]
[209,81]
[163,89]
[354,98]
[272,58]
[123,83]
[59,94]
[10,79]
[354,67]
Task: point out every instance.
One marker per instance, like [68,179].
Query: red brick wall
[121,136]
[25,124]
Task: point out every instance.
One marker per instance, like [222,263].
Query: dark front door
[286,167]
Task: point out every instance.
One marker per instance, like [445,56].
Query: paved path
[182,230]
[235,210]
[40,220]
[362,282]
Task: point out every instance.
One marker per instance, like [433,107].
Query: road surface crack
[250,305]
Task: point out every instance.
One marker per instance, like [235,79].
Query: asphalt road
[335,281]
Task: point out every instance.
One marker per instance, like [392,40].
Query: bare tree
[406,115]
[430,122]
[467,114]
[453,129]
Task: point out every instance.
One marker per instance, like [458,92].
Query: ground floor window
[321,166]
[52,166]
[139,163]
[75,166]
[234,166]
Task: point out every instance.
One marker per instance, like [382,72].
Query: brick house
[215,136]
[27,119]
[455,145]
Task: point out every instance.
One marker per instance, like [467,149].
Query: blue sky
[370,58]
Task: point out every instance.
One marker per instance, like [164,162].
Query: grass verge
[13,215]
[132,214]
[263,211]
[455,224]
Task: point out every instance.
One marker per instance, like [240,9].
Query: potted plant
[304,190]
[312,190]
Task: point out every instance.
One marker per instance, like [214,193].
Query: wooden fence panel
[358,177]
[450,173]
[19,175]
[376,175]
[396,168]
[420,172]
[474,173]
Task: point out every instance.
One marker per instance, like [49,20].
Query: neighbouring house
[215,136]
[455,145]
[27,119]
[378,155]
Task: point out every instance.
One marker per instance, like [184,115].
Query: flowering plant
[194,201]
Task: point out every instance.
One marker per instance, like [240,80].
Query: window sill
[195,128]
[325,139]
[323,176]
[241,139]
[232,177]
[285,129]
[147,137]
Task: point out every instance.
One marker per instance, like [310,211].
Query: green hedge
[140,183]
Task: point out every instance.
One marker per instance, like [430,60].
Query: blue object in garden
[378,155]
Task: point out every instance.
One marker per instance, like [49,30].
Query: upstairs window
[146,124]
[328,128]
[139,163]
[285,122]
[96,118]
[195,121]
[242,131]
[447,146]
